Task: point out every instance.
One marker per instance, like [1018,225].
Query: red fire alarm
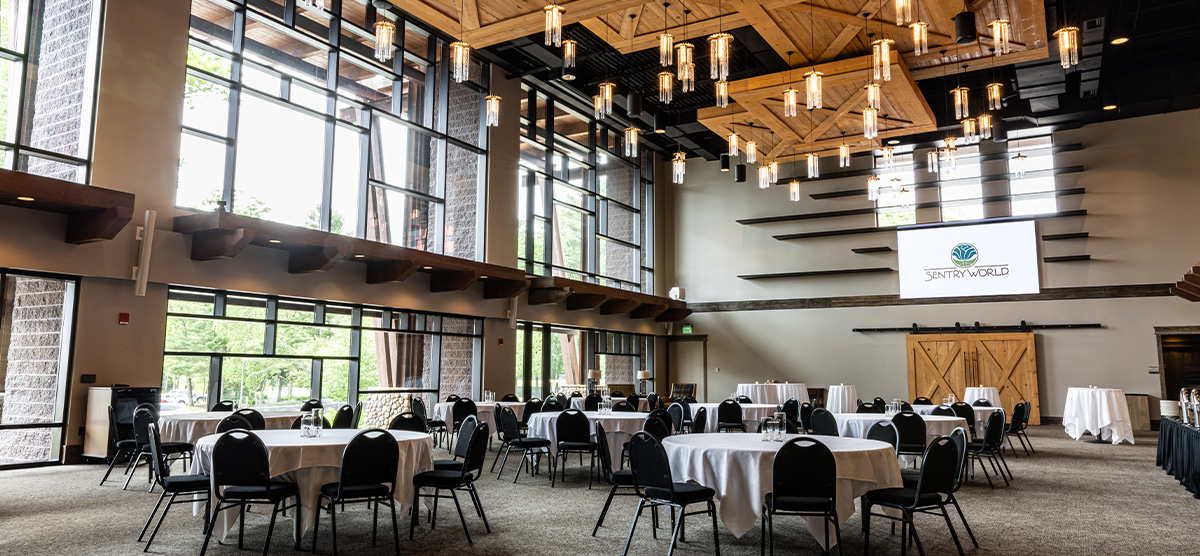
[122,318]
[501,341]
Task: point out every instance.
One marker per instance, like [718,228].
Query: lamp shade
[964,28]
[594,374]
[739,173]
[725,160]
[643,375]
[633,104]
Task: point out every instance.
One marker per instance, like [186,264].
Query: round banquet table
[312,462]
[752,414]
[842,398]
[618,428]
[190,427]
[484,412]
[988,393]
[774,393]
[981,414]
[1098,411]
[739,468]
[856,425]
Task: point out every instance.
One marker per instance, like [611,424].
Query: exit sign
[685,329]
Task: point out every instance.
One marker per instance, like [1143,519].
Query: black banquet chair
[573,433]
[806,410]
[922,400]
[408,421]
[729,416]
[189,486]
[666,418]
[911,429]
[812,493]
[126,447]
[944,411]
[935,484]
[744,399]
[513,440]
[959,437]
[311,404]
[962,409]
[1016,427]
[869,407]
[510,398]
[699,420]
[791,410]
[368,474]
[823,422]
[344,417]
[143,417]
[437,427]
[255,418]
[462,480]
[620,479]
[297,423]
[238,422]
[458,449]
[625,407]
[982,402]
[885,431]
[989,447]
[462,408]
[241,476]
[592,402]
[652,479]
[222,406]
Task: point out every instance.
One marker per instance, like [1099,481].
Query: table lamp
[593,379]
[642,377]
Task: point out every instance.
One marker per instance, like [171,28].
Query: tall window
[585,210]
[289,117]
[961,189]
[1033,193]
[48,56]
[895,205]
[270,352]
[554,358]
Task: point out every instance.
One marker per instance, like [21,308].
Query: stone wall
[31,380]
[462,173]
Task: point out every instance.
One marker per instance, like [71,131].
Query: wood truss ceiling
[829,33]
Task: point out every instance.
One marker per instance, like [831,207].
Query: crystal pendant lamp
[751,152]
[873,188]
[764,177]
[1017,165]
[569,48]
[904,9]
[931,161]
[812,86]
[813,161]
[597,107]
[985,126]
[687,77]
[794,190]
[1068,46]
[961,102]
[994,93]
[791,102]
[1000,35]
[732,139]
[554,23]
[460,61]
[606,97]
[666,86]
[683,53]
[631,141]
[874,96]
[721,89]
[889,157]
[970,130]
[950,154]
[493,110]
[870,123]
[773,166]
[920,31]
[881,59]
[718,54]
[844,155]
[385,35]
[666,48]
[678,167]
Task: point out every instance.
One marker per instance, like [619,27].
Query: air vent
[1090,24]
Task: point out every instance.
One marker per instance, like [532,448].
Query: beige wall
[1141,190]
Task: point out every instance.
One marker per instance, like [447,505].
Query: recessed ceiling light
[274,241]
[483,276]
[1110,107]
[427,268]
[1120,40]
[24,198]
[894,142]
[359,255]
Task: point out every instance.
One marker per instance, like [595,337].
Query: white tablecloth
[856,425]
[981,414]
[752,414]
[484,412]
[988,393]
[739,468]
[190,427]
[313,462]
[842,398]
[774,393]
[618,427]
[1099,411]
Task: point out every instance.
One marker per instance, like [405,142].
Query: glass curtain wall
[277,93]
[553,358]
[274,353]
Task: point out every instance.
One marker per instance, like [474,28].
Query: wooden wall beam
[452,281]
[382,272]
[220,244]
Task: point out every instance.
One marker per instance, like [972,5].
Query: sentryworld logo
[964,255]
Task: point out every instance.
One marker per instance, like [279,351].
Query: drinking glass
[317,422]
[766,429]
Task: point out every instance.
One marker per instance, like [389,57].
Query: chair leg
[712,510]
[591,468]
[212,523]
[1027,439]
[241,525]
[316,523]
[111,464]
[837,535]
[271,528]
[962,517]
[762,528]
[866,527]
[1005,462]
[636,515]
[507,448]
[461,517]
[912,529]
[152,512]
[524,457]
[415,511]
[1010,446]
[395,527]
[985,471]
[678,518]
[953,533]
[161,517]
[136,460]
[612,492]
[479,507]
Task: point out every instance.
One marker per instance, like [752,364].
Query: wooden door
[1007,362]
[936,365]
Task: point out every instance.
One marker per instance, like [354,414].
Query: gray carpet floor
[1069,498]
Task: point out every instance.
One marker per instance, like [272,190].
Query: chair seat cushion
[278,490]
[975,445]
[351,492]
[435,423]
[576,445]
[530,442]
[176,447]
[447,465]
[127,445]
[799,503]
[901,497]
[186,483]
[685,493]
[623,477]
[912,448]
[440,478]
[910,477]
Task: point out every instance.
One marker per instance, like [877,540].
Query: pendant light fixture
[569,47]
[920,31]
[813,165]
[889,157]
[872,188]
[666,42]
[751,149]
[764,177]
[312,4]
[631,141]
[685,67]
[460,52]
[1000,35]
[994,93]
[687,77]
[970,130]
[950,154]
[606,97]
[870,122]
[931,161]
[732,140]
[719,44]
[794,185]
[1068,46]
[554,24]
[961,102]
[492,102]
[881,59]
[678,166]
[666,86]
[721,88]
[904,10]
[874,96]
[385,35]
[985,126]
[791,97]
[725,161]
[773,167]
[812,79]
[1016,165]
[844,153]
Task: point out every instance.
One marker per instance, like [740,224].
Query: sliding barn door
[936,365]
[1007,362]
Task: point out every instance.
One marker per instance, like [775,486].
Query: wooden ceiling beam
[772,120]
[848,33]
[527,24]
[696,31]
[832,119]
[433,16]
[856,19]
[629,25]
[470,16]
[775,34]
[977,63]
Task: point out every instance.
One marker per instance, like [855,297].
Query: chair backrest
[372,457]
[357,414]
[657,427]
[959,436]
[223,405]
[922,400]
[791,409]
[666,417]
[417,405]
[649,464]
[408,421]
[509,424]
[157,458]
[869,407]
[879,401]
[1028,411]
[235,421]
[617,394]
[993,431]
[464,432]
[602,447]
[683,389]
[533,405]
[113,433]
[576,394]
[624,406]
[729,411]
[700,420]
[982,402]
[633,400]
[675,412]
[652,401]
[299,421]
[463,408]
[452,398]
[962,409]
[476,451]
[690,399]
[819,478]
[823,422]
[592,402]
[806,410]
[911,428]
[788,427]
[510,398]
[1018,415]
[344,418]
[552,404]
[939,467]
[255,418]
[563,401]
[311,404]
[944,410]
[142,417]
[572,426]
[153,408]
[239,458]
[744,399]
[687,408]
[905,406]
[885,431]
